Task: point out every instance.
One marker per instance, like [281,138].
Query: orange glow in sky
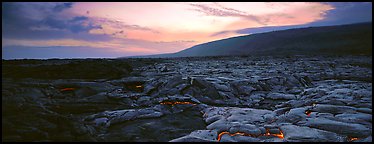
[141,28]
[175,21]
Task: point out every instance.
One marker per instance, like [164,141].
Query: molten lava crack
[280,135]
[308,112]
[175,103]
[352,139]
[67,89]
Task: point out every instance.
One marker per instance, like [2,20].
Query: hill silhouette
[352,39]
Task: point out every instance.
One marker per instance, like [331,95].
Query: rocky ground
[211,99]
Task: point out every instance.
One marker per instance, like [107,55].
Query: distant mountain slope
[355,39]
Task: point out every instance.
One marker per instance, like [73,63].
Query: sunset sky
[116,29]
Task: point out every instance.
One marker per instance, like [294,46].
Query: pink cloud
[171,27]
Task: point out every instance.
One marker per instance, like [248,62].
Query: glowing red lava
[352,139]
[67,89]
[308,112]
[175,103]
[280,135]
[220,135]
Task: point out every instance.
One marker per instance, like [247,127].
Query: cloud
[42,18]
[58,18]
[267,14]
[75,30]
[341,13]
[45,21]
[224,12]
[119,29]
[228,9]
[220,33]
[34,10]
[211,11]
[119,25]
[346,12]
[75,25]
[79,18]
[63,6]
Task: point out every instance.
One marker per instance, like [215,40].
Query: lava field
[197,99]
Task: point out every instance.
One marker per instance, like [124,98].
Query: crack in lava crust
[67,89]
[175,103]
[280,135]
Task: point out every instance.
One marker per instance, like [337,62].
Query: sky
[35,30]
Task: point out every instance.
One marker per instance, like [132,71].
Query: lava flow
[308,112]
[280,135]
[352,139]
[237,133]
[175,103]
[67,89]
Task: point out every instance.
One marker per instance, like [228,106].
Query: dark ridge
[352,39]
